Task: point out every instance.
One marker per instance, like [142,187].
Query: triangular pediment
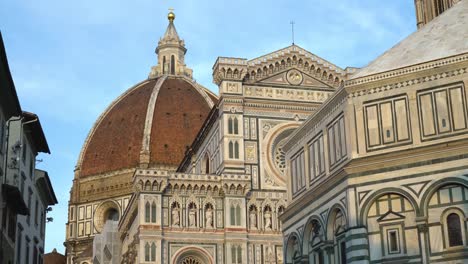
[295,77]
[284,66]
[390,216]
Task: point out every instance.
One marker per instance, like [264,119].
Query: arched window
[231,150]
[238,215]
[147,212]
[454,230]
[153,212]
[230,126]
[153,252]
[236,126]
[206,162]
[236,150]
[233,126]
[147,252]
[172,64]
[236,254]
[233,215]
[164,65]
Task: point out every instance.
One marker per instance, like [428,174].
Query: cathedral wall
[403,172]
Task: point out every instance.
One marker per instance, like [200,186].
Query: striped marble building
[379,173]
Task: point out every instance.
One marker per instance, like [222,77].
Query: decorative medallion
[294,77]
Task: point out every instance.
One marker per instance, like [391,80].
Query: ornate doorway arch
[192,255]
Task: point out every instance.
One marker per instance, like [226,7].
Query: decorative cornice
[278,107]
[410,82]
[407,70]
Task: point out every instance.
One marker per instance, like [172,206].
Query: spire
[171,53]
[171,32]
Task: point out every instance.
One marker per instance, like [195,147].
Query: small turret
[171,53]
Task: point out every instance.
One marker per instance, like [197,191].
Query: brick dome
[151,124]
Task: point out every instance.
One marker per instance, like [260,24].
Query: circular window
[112,214]
[108,210]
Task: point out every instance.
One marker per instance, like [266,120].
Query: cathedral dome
[151,124]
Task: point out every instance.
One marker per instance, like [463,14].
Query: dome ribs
[151,124]
[179,114]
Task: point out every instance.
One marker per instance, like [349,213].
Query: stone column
[422,233]
[328,251]
[357,246]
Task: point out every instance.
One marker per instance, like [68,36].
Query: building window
[236,254]
[23,180]
[164,65]
[235,215]
[42,222]
[206,164]
[28,218]
[147,251]
[35,255]
[442,110]
[153,212]
[297,172]
[147,212]
[454,230]
[336,141]
[150,252]
[316,158]
[393,241]
[36,209]
[23,156]
[11,225]
[19,243]
[233,150]
[31,166]
[233,126]
[153,251]
[172,64]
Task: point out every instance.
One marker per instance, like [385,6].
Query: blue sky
[70,59]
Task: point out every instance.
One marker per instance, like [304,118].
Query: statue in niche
[267,219]
[209,217]
[192,217]
[175,215]
[253,218]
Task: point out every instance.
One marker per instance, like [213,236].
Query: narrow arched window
[238,215]
[153,212]
[236,150]
[239,255]
[231,150]
[207,166]
[172,64]
[454,230]
[147,212]
[230,125]
[147,252]
[164,65]
[233,254]
[236,126]
[233,215]
[153,252]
